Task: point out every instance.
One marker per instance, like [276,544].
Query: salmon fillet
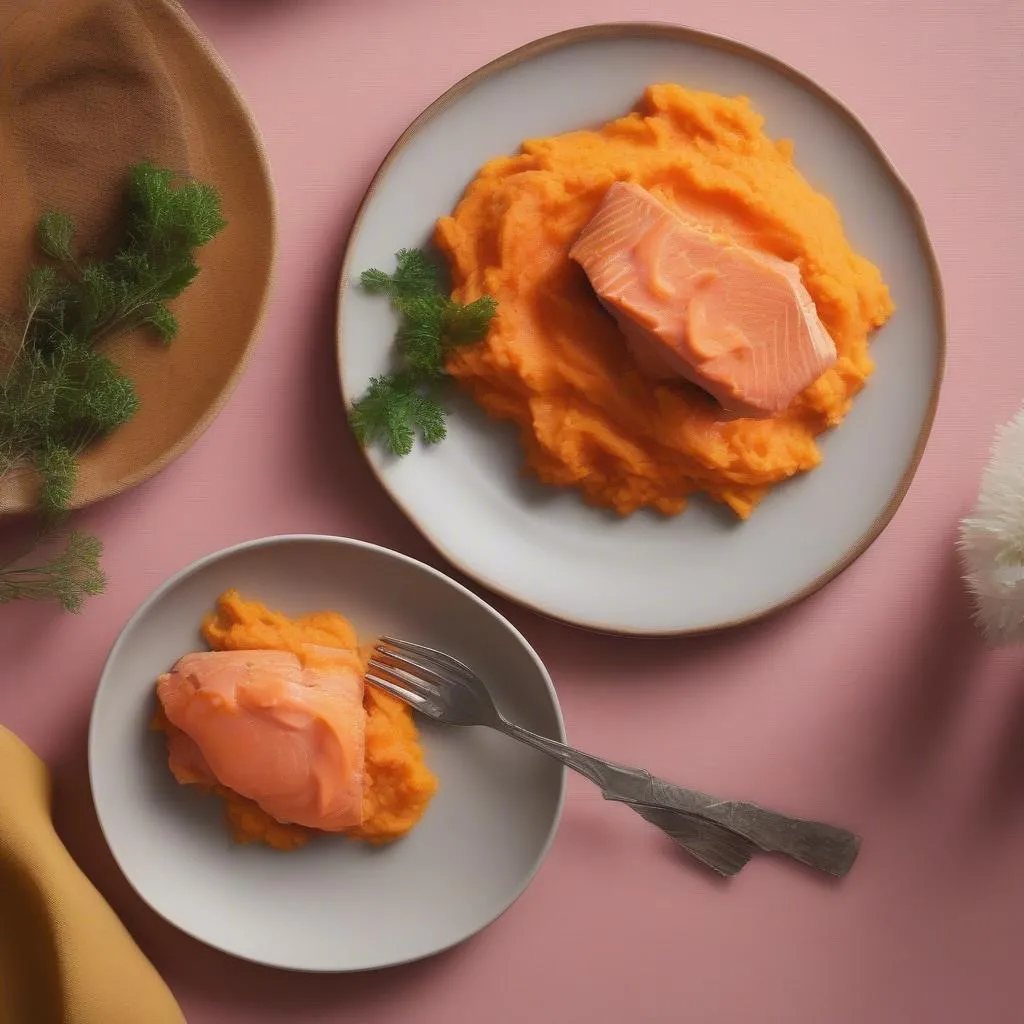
[697,305]
[289,734]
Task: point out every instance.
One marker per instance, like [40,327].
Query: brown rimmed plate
[647,575]
[181,387]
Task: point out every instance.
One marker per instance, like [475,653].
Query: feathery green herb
[393,408]
[398,406]
[58,394]
[415,276]
[68,577]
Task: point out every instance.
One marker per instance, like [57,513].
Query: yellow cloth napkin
[65,958]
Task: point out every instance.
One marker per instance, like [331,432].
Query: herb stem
[398,406]
[59,393]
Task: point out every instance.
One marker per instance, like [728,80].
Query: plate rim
[218,69]
[154,598]
[679,33]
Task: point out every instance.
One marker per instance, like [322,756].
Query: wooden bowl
[182,386]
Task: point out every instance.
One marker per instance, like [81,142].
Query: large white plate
[334,905]
[545,548]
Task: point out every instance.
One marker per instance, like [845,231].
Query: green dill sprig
[398,406]
[86,302]
[393,408]
[58,394]
[415,276]
[68,577]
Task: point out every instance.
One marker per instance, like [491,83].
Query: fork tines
[408,676]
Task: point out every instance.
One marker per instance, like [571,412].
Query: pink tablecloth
[871,703]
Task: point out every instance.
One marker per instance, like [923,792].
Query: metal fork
[720,833]
[718,848]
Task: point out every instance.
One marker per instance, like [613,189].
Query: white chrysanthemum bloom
[992,539]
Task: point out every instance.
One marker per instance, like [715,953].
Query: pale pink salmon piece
[289,736]
[186,760]
[696,304]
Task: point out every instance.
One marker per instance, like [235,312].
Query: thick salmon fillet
[696,304]
[287,734]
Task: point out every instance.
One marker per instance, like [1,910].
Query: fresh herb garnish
[67,577]
[398,406]
[393,407]
[58,394]
[415,276]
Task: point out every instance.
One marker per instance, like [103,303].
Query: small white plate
[335,904]
[545,548]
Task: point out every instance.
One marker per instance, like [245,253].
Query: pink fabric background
[872,703]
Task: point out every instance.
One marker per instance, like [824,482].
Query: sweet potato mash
[554,361]
[398,785]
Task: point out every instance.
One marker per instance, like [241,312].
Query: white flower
[991,539]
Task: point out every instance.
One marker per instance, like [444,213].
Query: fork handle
[715,846]
[826,847]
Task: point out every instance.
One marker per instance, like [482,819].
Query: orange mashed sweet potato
[398,785]
[554,361]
